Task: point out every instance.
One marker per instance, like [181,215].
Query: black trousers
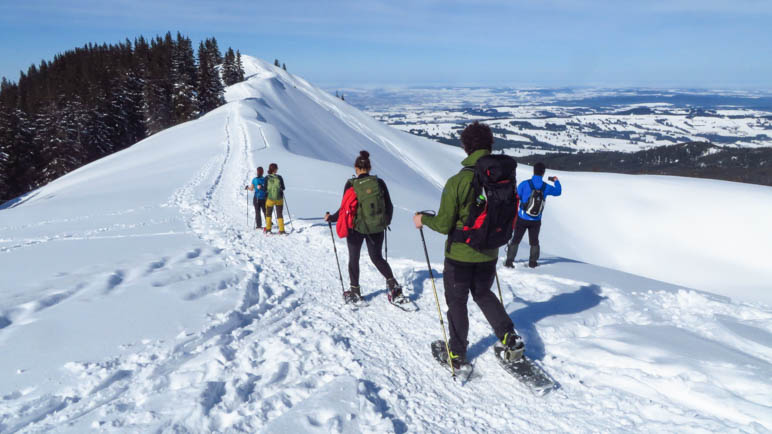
[374,246]
[460,279]
[532,226]
[259,207]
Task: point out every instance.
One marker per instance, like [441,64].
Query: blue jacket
[524,191]
[261,193]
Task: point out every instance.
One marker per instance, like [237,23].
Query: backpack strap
[454,235]
[524,203]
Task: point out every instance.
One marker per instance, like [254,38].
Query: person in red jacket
[362,194]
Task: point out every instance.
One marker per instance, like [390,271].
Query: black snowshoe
[510,353]
[461,366]
[353,297]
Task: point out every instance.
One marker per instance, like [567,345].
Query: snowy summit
[136,295]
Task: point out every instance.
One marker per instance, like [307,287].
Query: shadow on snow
[525,318]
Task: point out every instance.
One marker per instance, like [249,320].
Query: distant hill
[693,159]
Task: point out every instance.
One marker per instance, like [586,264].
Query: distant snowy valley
[528,121]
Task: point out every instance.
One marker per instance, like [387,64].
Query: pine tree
[23,157]
[215,58]
[158,86]
[239,66]
[184,98]
[127,104]
[210,88]
[230,74]
[61,141]
[7,135]
[4,170]
[101,127]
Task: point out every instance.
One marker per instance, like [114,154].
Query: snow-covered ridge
[135,295]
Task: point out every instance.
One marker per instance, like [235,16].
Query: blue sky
[648,43]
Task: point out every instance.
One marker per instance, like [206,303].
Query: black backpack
[493,211]
[535,204]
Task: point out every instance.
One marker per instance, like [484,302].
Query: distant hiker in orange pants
[274,185]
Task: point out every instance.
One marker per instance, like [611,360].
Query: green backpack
[371,207]
[273,185]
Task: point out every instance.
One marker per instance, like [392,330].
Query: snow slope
[134,295]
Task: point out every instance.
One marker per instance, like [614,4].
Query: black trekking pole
[386,241]
[335,249]
[247,209]
[499,286]
[289,214]
[437,299]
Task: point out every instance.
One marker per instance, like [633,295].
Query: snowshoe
[510,355]
[353,297]
[398,298]
[511,348]
[462,368]
[395,292]
[530,374]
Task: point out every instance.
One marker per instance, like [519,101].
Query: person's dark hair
[477,136]
[539,169]
[272,168]
[260,171]
[363,161]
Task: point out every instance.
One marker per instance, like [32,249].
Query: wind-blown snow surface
[134,295]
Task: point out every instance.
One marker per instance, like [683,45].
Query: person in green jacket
[466,269]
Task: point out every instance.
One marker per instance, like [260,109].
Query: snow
[136,297]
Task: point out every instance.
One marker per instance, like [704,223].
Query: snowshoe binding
[462,368]
[395,292]
[353,297]
[510,348]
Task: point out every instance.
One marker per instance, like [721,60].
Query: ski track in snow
[290,356]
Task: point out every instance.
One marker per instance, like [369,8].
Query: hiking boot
[458,360]
[511,253]
[282,233]
[533,257]
[395,290]
[510,348]
[352,295]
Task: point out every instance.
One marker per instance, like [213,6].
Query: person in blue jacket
[259,187]
[529,214]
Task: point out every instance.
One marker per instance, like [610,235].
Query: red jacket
[348,210]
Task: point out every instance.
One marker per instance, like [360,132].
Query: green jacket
[454,210]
